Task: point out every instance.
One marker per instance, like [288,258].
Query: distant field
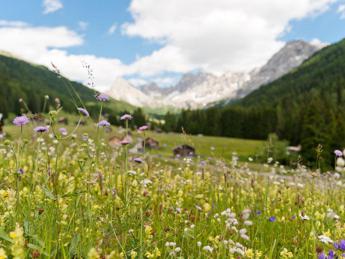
[206,146]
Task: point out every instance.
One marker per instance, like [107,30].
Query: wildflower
[286,254]
[325,239]
[21,120]
[83,111]
[63,131]
[198,243]
[304,217]
[103,123]
[17,248]
[143,128]
[170,244]
[2,254]
[249,253]
[102,97]
[138,160]
[126,117]
[148,230]
[321,256]
[207,207]
[93,254]
[41,129]
[248,223]
[338,153]
[272,219]
[208,249]
[156,253]
[133,254]
[340,245]
[20,171]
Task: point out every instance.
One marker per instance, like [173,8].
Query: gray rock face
[197,90]
[289,57]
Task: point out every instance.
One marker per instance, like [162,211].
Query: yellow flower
[93,254]
[207,207]
[17,248]
[133,254]
[249,253]
[286,254]
[148,230]
[253,254]
[2,254]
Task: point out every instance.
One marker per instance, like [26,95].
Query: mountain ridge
[198,90]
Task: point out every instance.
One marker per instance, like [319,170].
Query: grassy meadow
[68,194]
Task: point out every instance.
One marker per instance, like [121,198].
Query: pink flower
[126,117]
[21,120]
[83,111]
[143,128]
[41,129]
[103,123]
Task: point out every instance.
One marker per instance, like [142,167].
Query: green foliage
[19,79]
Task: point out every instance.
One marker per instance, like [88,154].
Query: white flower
[325,239]
[198,243]
[208,249]
[248,223]
[146,182]
[304,217]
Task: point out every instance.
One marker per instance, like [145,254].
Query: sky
[159,40]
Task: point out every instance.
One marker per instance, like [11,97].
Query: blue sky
[162,40]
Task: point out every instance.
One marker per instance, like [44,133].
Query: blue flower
[103,123]
[272,219]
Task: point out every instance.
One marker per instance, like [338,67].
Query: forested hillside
[19,79]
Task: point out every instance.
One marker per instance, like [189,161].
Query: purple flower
[272,219]
[126,117]
[21,120]
[103,123]
[102,97]
[340,245]
[258,212]
[83,111]
[143,128]
[63,131]
[338,153]
[20,171]
[321,256]
[41,129]
[138,160]
[331,254]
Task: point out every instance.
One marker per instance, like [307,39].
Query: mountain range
[202,89]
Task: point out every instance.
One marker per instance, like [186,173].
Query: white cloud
[214,35]
[4,23]
[43,45]
[51,6]
[341,11]
[112,29]
[83,25]
[318,43]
